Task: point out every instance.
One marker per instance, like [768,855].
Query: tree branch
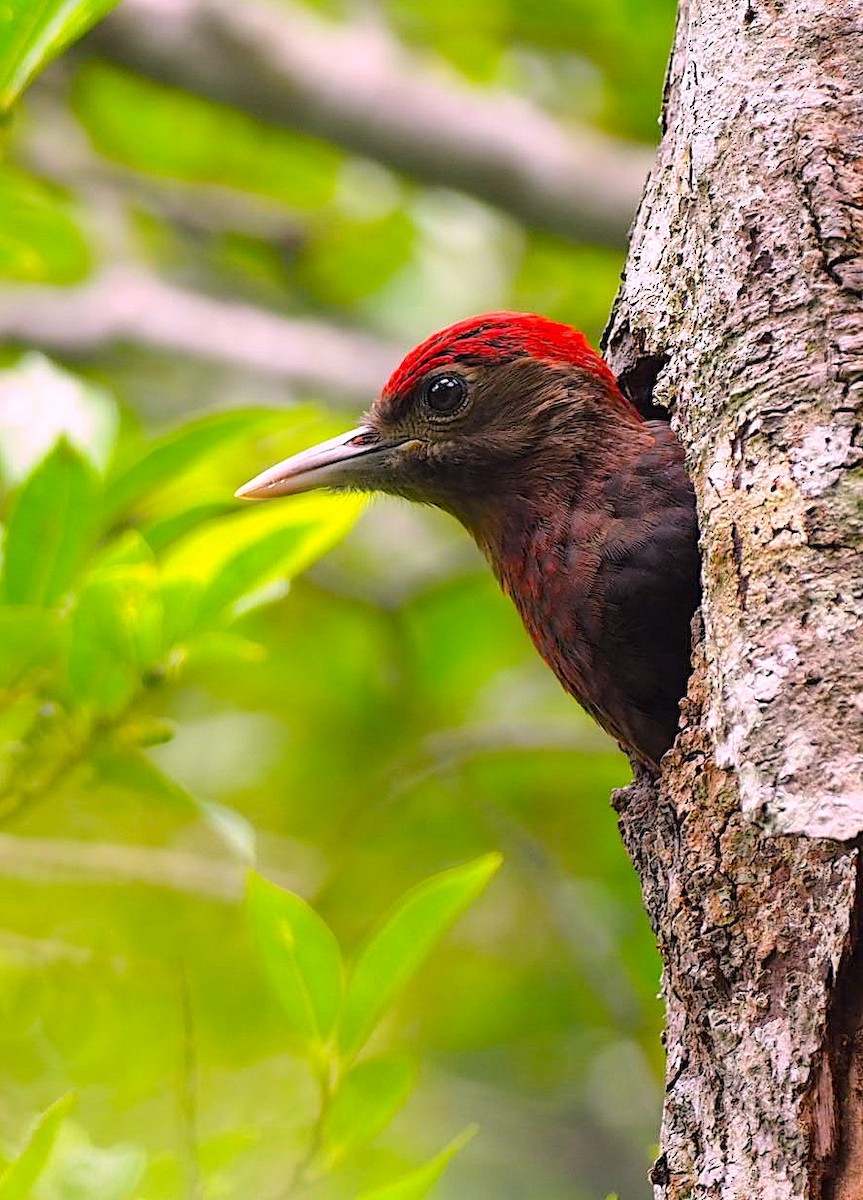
[357,86]
[126,303]
[67,861]
[61,861]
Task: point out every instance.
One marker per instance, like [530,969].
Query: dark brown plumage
[584,509]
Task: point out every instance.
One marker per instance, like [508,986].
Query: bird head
[488,409]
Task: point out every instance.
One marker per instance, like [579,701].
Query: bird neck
[533,517]
[547,540]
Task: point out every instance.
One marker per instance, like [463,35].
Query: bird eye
[446,395]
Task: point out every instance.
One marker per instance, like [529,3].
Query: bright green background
[382,720]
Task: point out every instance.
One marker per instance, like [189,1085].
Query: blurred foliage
[32,32]
[172,713]
[40,240]
[606,59]
[135,122]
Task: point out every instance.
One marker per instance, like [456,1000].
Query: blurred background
[255,209]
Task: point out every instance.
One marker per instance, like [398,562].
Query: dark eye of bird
[446,395]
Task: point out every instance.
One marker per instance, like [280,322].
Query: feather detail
[498,337]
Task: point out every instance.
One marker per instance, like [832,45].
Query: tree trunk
[741,311]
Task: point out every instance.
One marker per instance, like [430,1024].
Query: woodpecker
[583,507]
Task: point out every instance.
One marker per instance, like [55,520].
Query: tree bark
[741,312]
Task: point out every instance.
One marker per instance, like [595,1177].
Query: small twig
[300,1176]
[16,798]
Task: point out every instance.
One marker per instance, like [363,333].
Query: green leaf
[150,731]
[128,550]
[116,635]
[222,647]
[180,601]
[366,1101]
[239,554]
[40,240]
[301,958]
[18,717]
[421,1181]
[278,553]
[16,1182]
[163,533]
[32,32]
[127,769]
[30,638]
[396,951]
[49,529]
[174,454]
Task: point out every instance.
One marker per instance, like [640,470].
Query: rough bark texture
[741,311]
